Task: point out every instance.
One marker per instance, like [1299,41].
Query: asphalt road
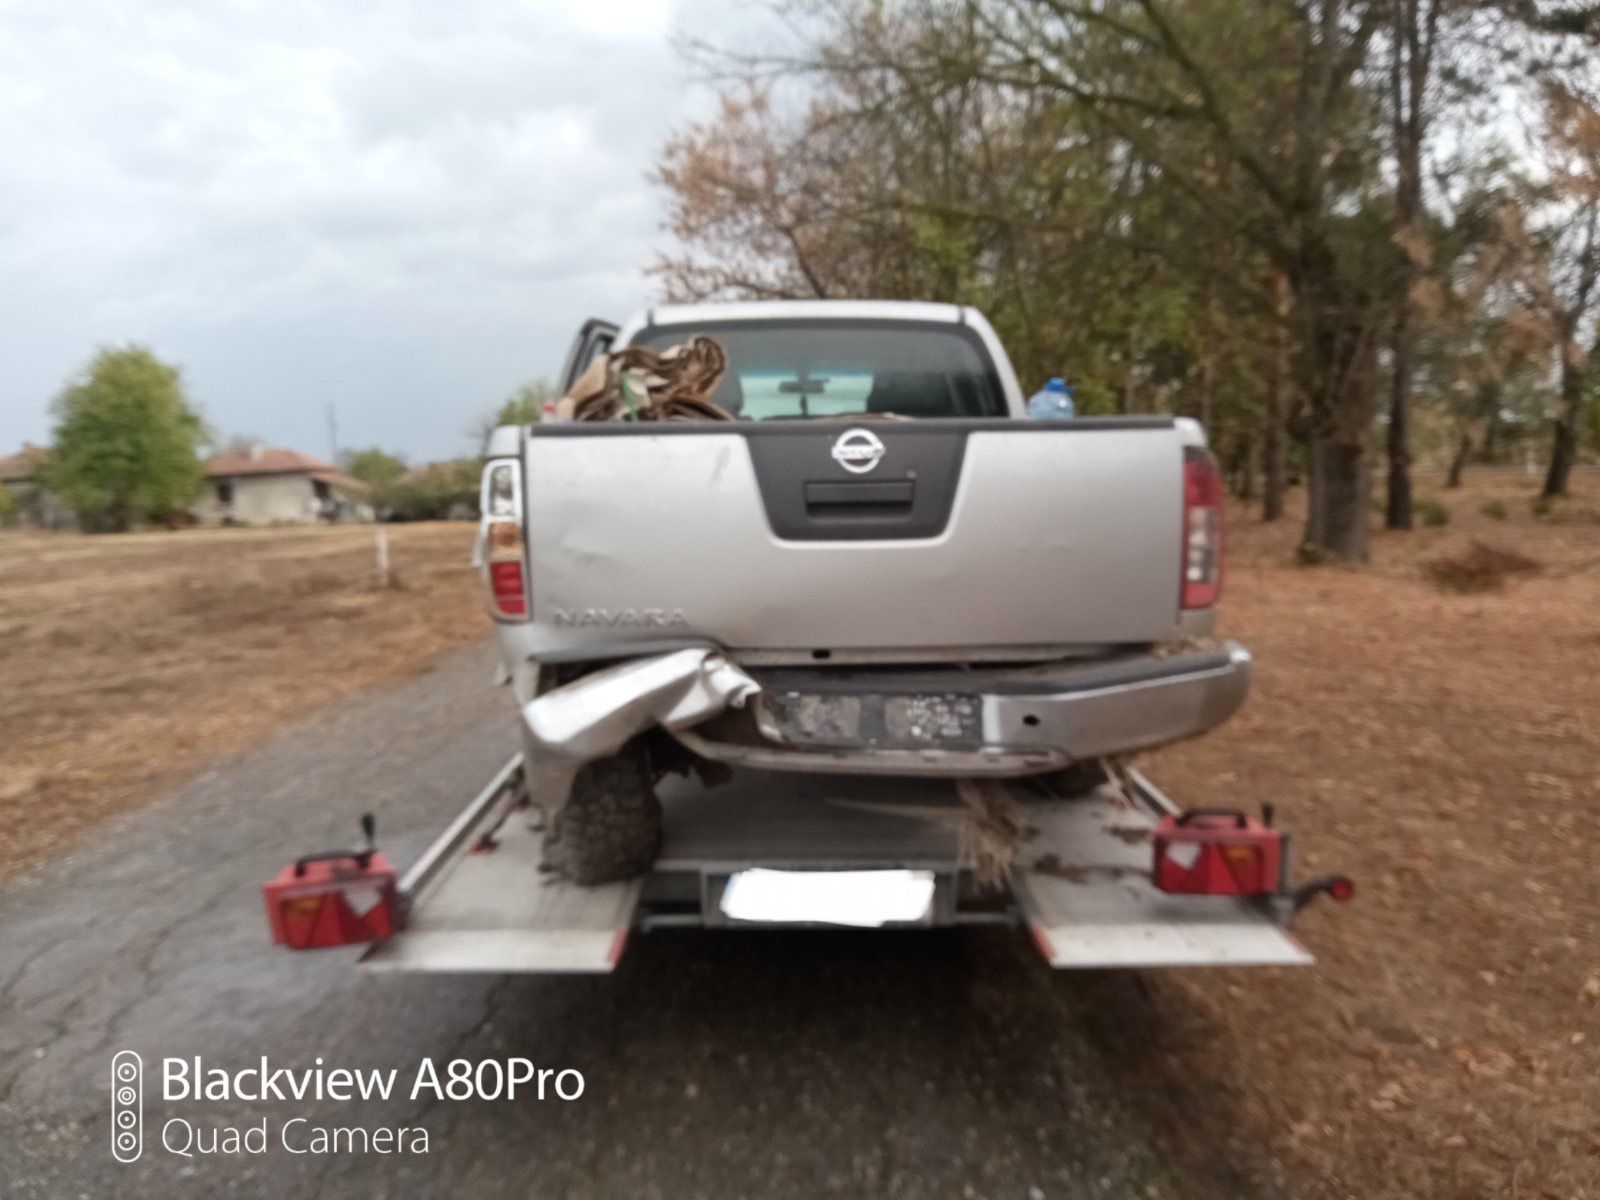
[735,1064]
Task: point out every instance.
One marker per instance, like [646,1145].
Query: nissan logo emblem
[857,450]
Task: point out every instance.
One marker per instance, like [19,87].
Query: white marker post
[381,539]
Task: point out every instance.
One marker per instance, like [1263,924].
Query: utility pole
[333,437]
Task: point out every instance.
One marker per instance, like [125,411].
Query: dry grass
[1444,750]
[132,660]
[1479,568]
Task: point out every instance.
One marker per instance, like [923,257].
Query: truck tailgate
[959,534]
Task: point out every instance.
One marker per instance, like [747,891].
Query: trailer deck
[478,901]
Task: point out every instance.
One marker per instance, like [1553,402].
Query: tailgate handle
[881,500]
[833,500]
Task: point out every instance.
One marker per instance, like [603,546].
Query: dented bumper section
[596,715]
[989,721]
[994,721]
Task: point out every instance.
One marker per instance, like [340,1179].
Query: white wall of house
[259,500]
[36,508]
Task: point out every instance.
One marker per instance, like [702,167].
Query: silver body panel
[1056,538]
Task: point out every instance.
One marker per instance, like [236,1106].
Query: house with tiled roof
[31,502]
[263,485]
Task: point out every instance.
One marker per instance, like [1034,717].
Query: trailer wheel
[610,826]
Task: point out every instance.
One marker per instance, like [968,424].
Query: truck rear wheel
[610,826]
[1079,779]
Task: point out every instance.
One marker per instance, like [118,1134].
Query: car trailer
[1083,884]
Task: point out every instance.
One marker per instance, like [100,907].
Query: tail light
[504,555]
[1202,529]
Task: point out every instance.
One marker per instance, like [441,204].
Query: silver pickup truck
[895,639]
[902,573]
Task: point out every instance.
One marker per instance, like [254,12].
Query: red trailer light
[339,898]
[1216,852]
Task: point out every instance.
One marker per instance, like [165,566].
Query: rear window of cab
[801,370]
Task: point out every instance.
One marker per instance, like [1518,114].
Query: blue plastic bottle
[1053,402]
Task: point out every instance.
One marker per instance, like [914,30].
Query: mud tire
[1079,779]
[610,827]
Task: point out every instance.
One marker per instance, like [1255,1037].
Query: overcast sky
[401,208]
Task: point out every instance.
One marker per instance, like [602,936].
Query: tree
[523,407]
[125,441]
[437,491]
[1233,209]
[1413,43]
[1567,288]
[1257,114]
[8,505]
[1110,178]
[379,470]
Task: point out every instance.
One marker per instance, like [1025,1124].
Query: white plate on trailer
[862,899]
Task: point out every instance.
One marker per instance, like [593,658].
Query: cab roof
[769,310]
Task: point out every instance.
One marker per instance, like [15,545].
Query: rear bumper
[1156,701]
[994,721]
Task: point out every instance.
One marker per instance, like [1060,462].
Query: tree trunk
[1336,515]
[1458,464]
[1409,59]
[1337,359]
[1127,400]
[1275,447]
[1491,437]
[1564,445]
[119,515]
[1397,513]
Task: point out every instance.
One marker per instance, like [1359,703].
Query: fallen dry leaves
[1441,748]
[1444,750]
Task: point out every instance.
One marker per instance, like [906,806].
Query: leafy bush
[1480,568]
[436,492]
[1431,513]
[1495,510]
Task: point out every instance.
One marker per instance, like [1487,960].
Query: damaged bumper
[994,721]
[596,715]
[990,721]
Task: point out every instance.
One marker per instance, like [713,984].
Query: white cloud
[399,208]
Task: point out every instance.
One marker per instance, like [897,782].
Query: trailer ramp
[1084,888]
[478,901]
